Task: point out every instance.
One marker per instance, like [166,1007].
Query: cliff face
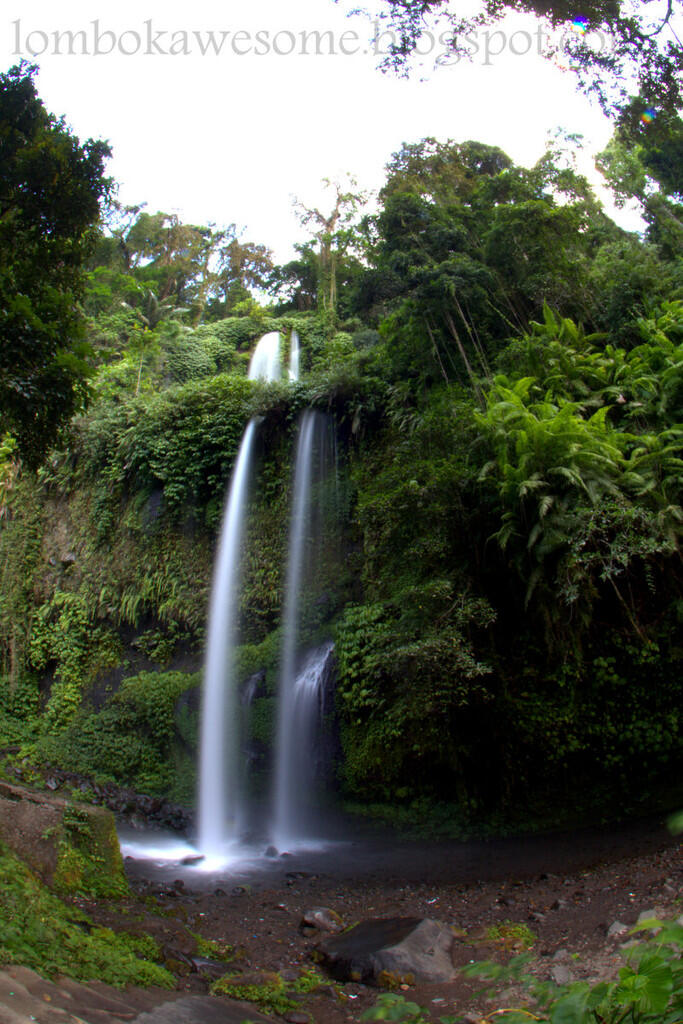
[104,601]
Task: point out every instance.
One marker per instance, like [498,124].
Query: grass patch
[512,935]
[274,994]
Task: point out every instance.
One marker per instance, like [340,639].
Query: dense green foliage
[50,189]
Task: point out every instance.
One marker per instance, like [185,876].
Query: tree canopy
[51,186]
[607,42]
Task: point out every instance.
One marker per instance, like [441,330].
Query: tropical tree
[335,235]
[469,247]
[51,186]
[643,163]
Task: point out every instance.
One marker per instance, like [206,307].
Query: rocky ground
[574,918]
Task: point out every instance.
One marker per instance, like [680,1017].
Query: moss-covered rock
[72,847]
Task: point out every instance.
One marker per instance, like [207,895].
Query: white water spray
[294,356]
[265,362]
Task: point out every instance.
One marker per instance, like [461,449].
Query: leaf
[649,988]
[572,1008]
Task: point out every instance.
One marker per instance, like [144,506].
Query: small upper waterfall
[265,362]
[220,799]
[294,356]
[298,696]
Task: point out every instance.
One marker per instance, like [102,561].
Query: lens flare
[648,115]
[580,26]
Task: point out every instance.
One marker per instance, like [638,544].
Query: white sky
[232,138]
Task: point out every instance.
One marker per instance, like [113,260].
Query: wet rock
[390,951]
[207,1009]
[193,859]
[322,919]
[213,969]
[271,851]
[69,845]
[177,962]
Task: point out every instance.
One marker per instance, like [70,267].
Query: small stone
[559,905]
[219,892]
[297,1018]
[561,975]
[322,918]
[616,929]
[646,915]
[561,954]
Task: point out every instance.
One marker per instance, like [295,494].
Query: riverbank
[569,900]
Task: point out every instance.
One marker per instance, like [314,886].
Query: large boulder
[72,847]
[390,951]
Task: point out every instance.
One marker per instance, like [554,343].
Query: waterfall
[265,362]
[298,695]
[294,356]
[220,799]
[302,707]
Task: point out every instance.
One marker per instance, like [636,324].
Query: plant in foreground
[648,989]
[391,1006]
